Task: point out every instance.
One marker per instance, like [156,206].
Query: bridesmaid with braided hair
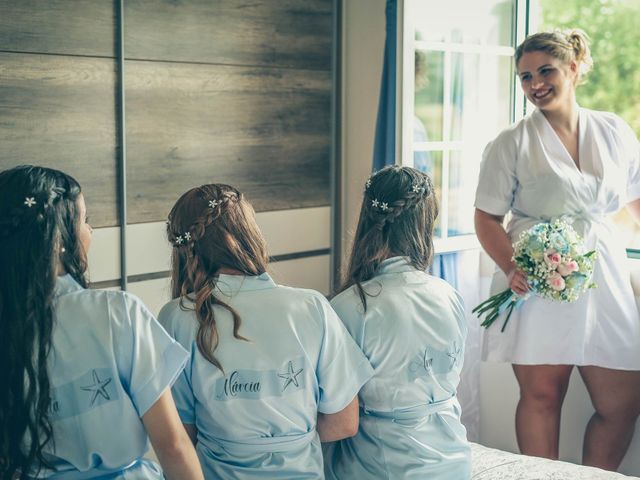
[411,326]
[273,371]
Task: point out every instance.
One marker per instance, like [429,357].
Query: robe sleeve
[149,359]
[497,182]
[182,389]
[342,367]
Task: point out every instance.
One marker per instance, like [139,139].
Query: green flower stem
[491,306]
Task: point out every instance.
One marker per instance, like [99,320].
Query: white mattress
[492,464]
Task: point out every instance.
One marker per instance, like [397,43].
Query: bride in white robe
[565,161]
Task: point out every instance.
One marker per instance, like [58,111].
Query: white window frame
[405,92]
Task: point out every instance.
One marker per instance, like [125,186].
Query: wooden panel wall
[225,90]
[57,93]
[277,33]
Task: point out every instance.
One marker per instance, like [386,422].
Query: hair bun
[579,40]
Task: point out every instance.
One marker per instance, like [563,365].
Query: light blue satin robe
[110,362]
[413,333]
[257,419]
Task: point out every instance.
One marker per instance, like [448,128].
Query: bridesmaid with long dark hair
[85,374]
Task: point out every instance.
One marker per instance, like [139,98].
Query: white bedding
[492,464]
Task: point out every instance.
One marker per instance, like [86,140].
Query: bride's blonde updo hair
[565,45]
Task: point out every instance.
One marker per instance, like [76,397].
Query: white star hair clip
[179,240]
[367,184]
[416,188]
[187,236]
[214,203]
[375,203]
[384,207]
[29,201]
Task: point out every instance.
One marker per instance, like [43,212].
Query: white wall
[148,252]
[362,55]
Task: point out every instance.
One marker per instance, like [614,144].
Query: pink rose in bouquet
[555,281]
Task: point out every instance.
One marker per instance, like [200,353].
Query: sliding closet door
[219,91]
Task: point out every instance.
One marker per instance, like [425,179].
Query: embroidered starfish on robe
[290,376]
[98,388]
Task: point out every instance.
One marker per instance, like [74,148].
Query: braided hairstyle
[39,221]
[397,217]
[212,227]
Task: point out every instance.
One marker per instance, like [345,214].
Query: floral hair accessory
[213,203]
[183,239]
[367,184]
[30,201]
[384,206]
[416,188]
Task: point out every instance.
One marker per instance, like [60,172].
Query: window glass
[430,162]
[429,100]
[485,22]
[462,96]
[480,96]
[463,174]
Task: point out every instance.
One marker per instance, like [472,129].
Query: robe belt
[577,216]
[581,220]
[412,413]
[89,474]
[283,443]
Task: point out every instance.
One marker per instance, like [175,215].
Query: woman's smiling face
[548,82]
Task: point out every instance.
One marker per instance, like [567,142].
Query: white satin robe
[527,171]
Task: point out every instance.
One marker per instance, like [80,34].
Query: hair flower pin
[214,203]
[384,207]
[179,240]
[375,203]
[29,201]
[187,236]
[416,188]
[367,184]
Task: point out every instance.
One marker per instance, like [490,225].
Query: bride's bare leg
[542,391]
[615,395]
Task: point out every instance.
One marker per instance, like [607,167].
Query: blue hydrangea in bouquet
[553,257]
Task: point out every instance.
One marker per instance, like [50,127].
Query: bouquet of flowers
[557,267]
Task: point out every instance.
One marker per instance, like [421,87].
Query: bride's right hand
[518,281]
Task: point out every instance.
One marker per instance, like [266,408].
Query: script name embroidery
[233,385]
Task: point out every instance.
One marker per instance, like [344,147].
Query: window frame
[405,99]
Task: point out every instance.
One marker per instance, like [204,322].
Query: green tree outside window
[612,26]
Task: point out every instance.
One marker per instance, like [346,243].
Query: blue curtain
[444,266]
[384,148]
